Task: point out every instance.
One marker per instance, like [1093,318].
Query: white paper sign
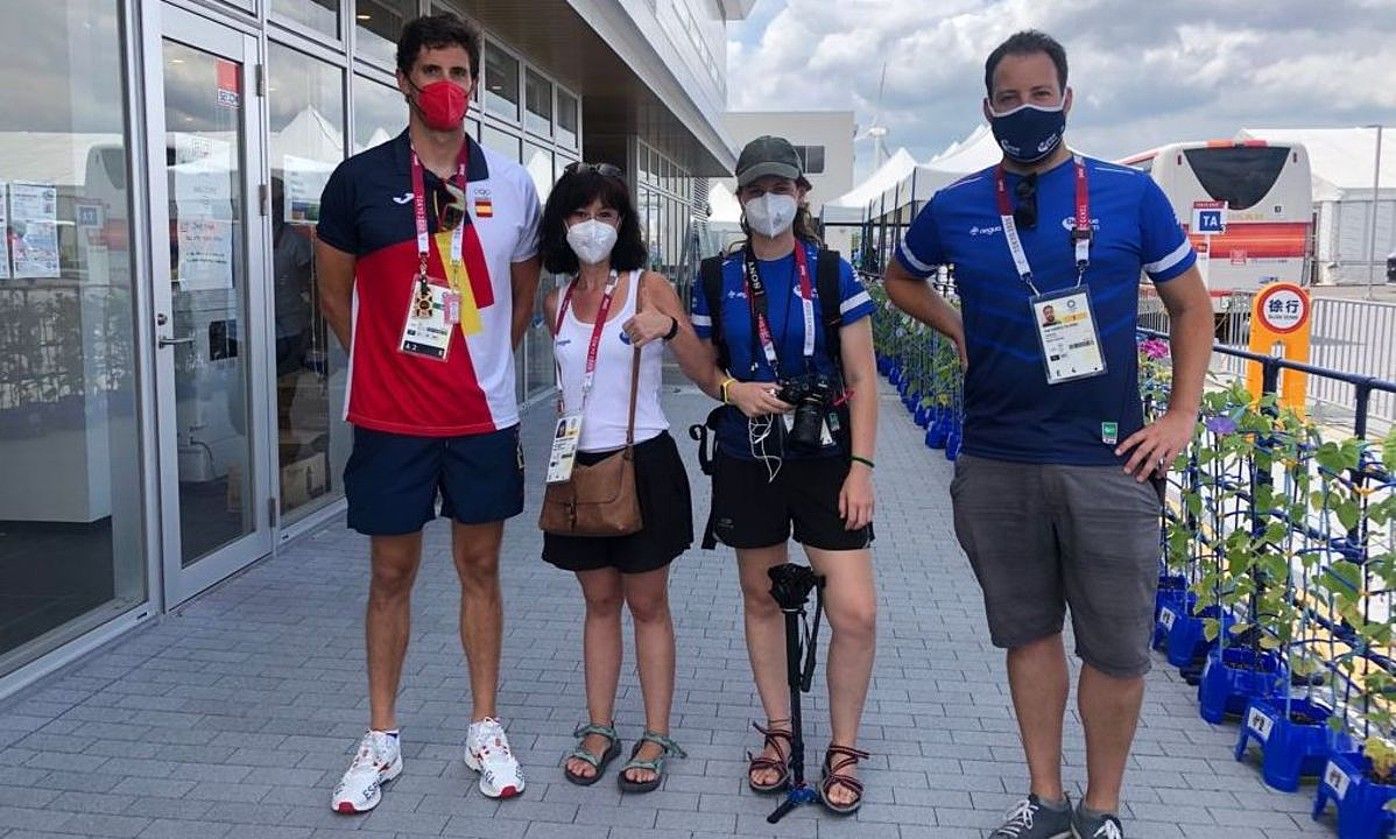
[1259,724]
[33,230]
[305,180]
[1336,779]
[203,203]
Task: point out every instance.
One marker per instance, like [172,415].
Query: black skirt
[661,482]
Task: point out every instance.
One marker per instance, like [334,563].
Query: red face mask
[442,105]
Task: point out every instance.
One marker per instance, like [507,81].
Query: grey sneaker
[1098,826]
[1031,820]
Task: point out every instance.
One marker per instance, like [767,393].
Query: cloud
[1144,72]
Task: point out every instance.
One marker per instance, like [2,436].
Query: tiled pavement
[235,716]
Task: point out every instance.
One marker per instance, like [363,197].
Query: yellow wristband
[722,389]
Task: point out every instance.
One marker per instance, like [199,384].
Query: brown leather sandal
[833,775]
[759,762]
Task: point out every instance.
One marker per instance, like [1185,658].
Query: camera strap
[761,335]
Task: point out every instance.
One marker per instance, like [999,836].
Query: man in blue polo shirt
[1052,494]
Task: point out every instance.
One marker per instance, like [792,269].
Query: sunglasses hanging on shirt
[1025,210]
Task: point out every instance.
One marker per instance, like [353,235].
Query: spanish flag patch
[484,208]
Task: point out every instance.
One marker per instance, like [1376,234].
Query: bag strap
[634,387]
[710,272]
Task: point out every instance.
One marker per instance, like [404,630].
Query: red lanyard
[602,311]
[1080,231]
[756,294]
[419,205]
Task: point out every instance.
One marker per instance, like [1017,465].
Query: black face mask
[1029,133]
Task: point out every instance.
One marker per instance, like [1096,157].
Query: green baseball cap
[767,155]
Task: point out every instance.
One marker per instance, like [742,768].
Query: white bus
[1263,195]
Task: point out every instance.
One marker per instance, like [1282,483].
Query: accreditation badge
[1066,329]
[564,453]
[427,332]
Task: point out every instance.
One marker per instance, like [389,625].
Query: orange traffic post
[1280,326]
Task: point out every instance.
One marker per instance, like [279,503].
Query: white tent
[1342,161]
[852,205]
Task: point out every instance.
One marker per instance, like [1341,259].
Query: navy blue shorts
[392,480]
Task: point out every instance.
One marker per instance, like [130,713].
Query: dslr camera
[812,395]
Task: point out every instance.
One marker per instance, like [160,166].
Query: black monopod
[791,585]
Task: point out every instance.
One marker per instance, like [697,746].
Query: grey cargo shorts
[1044,537]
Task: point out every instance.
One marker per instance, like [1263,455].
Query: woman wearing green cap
[790,325]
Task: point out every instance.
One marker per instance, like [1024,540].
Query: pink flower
[1154,348]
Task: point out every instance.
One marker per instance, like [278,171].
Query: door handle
[163,342]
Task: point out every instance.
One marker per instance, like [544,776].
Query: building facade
[170,398]
[824,140]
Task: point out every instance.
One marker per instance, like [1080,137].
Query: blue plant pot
[1361,801]
[938,431]
[1187,636]
[884,364]
[1233,677]
[894,374]
[1171,602]
[922,414]
[1290,748]
[952,443]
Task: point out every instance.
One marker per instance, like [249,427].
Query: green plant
[1382,753]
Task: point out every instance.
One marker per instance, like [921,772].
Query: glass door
[208,270]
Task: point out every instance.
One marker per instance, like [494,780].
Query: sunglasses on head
[606,170]
[450,206]
[1025,212]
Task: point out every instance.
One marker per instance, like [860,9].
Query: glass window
[319,15]
[71,551]
[501,82]
[566,119]
[503,142]
[813,157]
[538,96]
[380,113]
[539,163]
[380,23]
[305,99]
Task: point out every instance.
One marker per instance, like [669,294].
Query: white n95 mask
[591,240]
[771,214]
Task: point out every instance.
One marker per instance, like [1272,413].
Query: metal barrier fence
[1277,563]
[1354,336]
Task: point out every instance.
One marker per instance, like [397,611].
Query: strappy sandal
[833,775]
[580,753]
[656,765]
[759,762]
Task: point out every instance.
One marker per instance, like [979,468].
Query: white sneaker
[487,752]
[378,761]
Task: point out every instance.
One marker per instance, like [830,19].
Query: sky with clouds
[1145,72]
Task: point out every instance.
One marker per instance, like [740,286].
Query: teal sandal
[580,753]
[656,766]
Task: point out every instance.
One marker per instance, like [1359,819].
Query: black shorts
[665,504]
[392,480]
[750,511]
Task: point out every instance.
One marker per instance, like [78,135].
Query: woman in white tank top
[609,306]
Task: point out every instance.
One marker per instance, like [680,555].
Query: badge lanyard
[589,375]
[756,293]
[419,205]
[1080,230]
[1070,344]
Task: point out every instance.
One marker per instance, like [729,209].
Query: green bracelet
[864,461]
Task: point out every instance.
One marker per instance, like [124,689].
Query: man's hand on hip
[1155,446]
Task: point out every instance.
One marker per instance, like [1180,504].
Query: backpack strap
[710,274]
[826,277]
